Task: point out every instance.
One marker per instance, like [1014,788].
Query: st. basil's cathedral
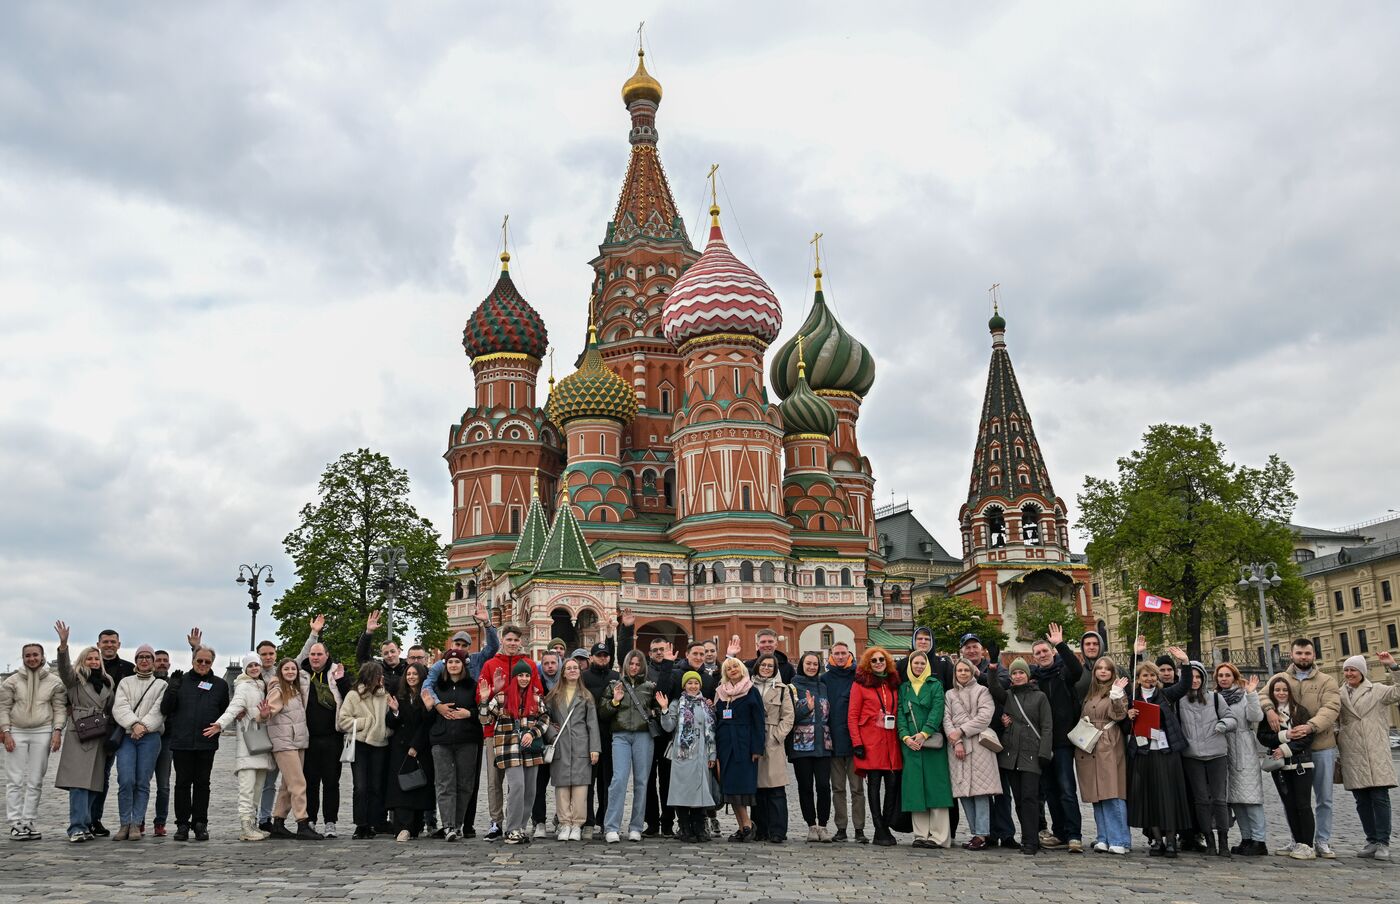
[662,477]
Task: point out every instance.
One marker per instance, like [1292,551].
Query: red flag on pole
[1148,602]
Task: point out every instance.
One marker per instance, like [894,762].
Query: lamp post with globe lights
[251,575]
[1259,576]
[391,564]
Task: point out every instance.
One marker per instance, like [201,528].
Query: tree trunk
[1194,611]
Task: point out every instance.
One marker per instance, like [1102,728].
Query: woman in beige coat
[81,765]
[286,726]
[1103,774]
[770,813]
[1367,769]
[364,715]
[972,768]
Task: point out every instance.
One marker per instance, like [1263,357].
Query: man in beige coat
[33,707]
[1318,692]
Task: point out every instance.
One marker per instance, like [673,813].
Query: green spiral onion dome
[505,322]
[806,412]
[835,360]
[591,391]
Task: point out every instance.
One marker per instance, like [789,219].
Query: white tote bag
[347,753]
[1084,735]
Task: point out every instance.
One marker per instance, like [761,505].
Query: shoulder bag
[988,739]
[549,751]
[415,778]
[347,753]
[117,734]
[255,736]
[653,726]
[1084,735]
[933,741]
[92,726]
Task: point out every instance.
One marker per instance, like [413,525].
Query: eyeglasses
[145,656]
[204,662]
[877,659]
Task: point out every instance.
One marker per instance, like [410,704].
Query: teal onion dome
[804,411]
[835,360]
[997,324]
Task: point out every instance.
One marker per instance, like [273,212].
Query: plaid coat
[507,729]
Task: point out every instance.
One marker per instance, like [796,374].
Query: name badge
[206,685]
[889,721]
[726,713]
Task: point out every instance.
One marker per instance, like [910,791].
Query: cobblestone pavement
[654,870]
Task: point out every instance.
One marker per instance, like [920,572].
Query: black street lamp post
[391,564]
[251,575]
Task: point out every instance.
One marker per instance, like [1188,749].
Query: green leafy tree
[1038,611]
[362,505]
[950,617]
[1180,520]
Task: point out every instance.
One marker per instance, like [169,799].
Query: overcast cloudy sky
[237,241]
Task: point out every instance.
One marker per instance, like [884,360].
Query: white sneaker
[1100,847]
[540,831]
[328,831]
[634,836]
[1304,852]
[576,833]
[450,835]
[613,838]
[1324,850]
[1368,851]
[1117,849]
[1382,852]
[565,833]
[403,836]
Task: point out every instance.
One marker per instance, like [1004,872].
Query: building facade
[662,475]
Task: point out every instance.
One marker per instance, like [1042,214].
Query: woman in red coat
[871,719]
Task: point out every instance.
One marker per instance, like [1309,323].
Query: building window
[1362,646]
[845,577]
[1317,647]
[457,594]
[1312,605]
[1303,555]
[665,401]
[1095,590]
[515,519]
[1222,623]
[642,573]
[819,577]
[512,395]
[1356,597]
[602,514]
[828,637]
[745,498]
[746,570]
[765,572]
[1385,594]
[1345,643]
[1392,635]
[1337,601]
[719,572]
[1224,654]
[667,575]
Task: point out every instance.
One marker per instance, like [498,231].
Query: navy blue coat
[1167,698]
[738,739]
[838,692]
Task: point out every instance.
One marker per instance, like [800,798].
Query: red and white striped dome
[720,294]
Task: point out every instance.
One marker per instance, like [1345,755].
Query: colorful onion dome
[804,411]
[505,322]
[720,294]
[836,361]
[641,86]
[591,391]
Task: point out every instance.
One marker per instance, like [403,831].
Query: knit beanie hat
[1166,659]
[1019,665]
[251,659]
[1358,663]
[145,648]
[522,667]
[556,642]
[455,654]
[690,676]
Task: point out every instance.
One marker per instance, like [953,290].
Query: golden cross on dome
[505,251]
[640,26]
[801,362]
[714,195]
[817,271]
[995,292]
[535,485]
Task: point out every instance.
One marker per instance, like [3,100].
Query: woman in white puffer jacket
[249,704]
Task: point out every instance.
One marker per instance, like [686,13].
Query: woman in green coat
[927,791]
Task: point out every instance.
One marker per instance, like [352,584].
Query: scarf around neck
[734,691]
[917,681]
[1232,695]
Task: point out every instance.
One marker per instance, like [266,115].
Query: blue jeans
[1324,763]
[163,763]
[979,814]
[1253,826]
[631,752]
[136,763]
[269,795]
[97,800]
[79,810]
[1111,823]
[1057,787]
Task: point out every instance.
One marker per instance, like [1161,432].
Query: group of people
[922,742]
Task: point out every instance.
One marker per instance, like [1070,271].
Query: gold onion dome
[804,411]
[641,86]
[591,391]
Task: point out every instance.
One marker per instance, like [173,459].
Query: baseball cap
[966,637]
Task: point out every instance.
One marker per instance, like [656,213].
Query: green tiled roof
[565,551]
[532,536]
[607,548]
[891,642]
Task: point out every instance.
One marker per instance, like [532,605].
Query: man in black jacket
[390,657]
[1056,672]
[767,642]
[193,702]
[108,643]
[322,764]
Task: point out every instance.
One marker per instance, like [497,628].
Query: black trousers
[541,795]
[371,772]
[322,770]
[658,811]
[1295,790]
[192,769]
[883,807]
[1207,780]
[1025,792]
[770,815]
[602,777]
[813,773]
[476,788]
[409,818]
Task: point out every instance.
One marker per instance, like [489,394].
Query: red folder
[1149,716]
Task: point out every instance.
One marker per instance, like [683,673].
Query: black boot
[1222,843]
[1210,845]
[279,829]
[306,833]
[182,832]
[201,832]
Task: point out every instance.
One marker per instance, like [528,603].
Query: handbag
[1269,764]
[988,739]
[347,753]
[116,735]
[932,742]
[255,736]
[653,726]
[1084,735]
[92,726]
[413,779]
[549,751]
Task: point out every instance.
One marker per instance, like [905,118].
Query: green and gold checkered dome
[592,391]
